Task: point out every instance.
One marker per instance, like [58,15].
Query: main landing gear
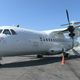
[39,56]
[66,55]
[0,61]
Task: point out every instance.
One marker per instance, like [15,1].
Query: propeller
[71,29]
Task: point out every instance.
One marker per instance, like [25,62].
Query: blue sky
[38,14]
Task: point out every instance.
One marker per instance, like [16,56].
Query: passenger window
[46,39]
[40,38]
[13,32]
[0,30]
[43,39]
[7,32]
[51,39]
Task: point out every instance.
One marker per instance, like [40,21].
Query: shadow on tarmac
[38,62]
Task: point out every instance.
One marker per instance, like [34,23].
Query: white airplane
[15,41]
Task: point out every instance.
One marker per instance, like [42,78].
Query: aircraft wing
[63,30]
[56,33]
[60,32]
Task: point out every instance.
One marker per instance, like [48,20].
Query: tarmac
[47,68]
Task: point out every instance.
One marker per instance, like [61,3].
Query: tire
[39,56]
[66,55]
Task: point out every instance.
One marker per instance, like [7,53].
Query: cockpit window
[0,30]
[7,32]
[13,32]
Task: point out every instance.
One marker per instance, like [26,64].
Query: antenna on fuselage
[18,25]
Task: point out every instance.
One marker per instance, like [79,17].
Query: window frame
[6,33]
[13,32]
[1,31]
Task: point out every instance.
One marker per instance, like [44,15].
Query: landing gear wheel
[39,56]
[0,64]
[66,55]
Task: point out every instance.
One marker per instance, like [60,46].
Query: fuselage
[27,42]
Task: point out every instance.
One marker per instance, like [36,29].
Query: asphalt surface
[47,68]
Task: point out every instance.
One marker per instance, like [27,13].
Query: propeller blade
[76,23]
[68,17]
[71,23]
[77,26]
